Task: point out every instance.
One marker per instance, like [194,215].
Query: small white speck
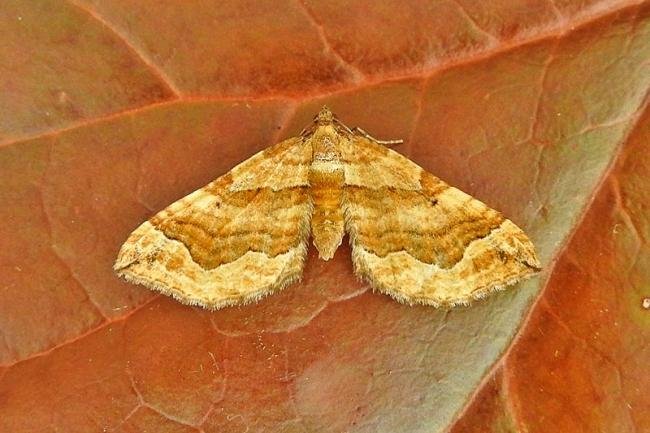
[646,303]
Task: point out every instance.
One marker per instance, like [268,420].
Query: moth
[245,235]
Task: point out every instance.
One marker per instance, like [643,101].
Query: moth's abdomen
[327,225]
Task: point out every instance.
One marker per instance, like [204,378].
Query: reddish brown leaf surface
[111,110]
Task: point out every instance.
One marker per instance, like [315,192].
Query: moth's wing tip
[529,261]
[125,259]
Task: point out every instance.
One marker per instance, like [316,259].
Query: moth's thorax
[324,146]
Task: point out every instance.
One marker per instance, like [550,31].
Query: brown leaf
[113,109]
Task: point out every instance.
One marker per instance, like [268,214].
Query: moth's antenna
[387,143]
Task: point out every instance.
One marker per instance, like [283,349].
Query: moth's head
[324,123]
[324,116]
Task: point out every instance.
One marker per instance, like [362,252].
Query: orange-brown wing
[421,241]
[239,238]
